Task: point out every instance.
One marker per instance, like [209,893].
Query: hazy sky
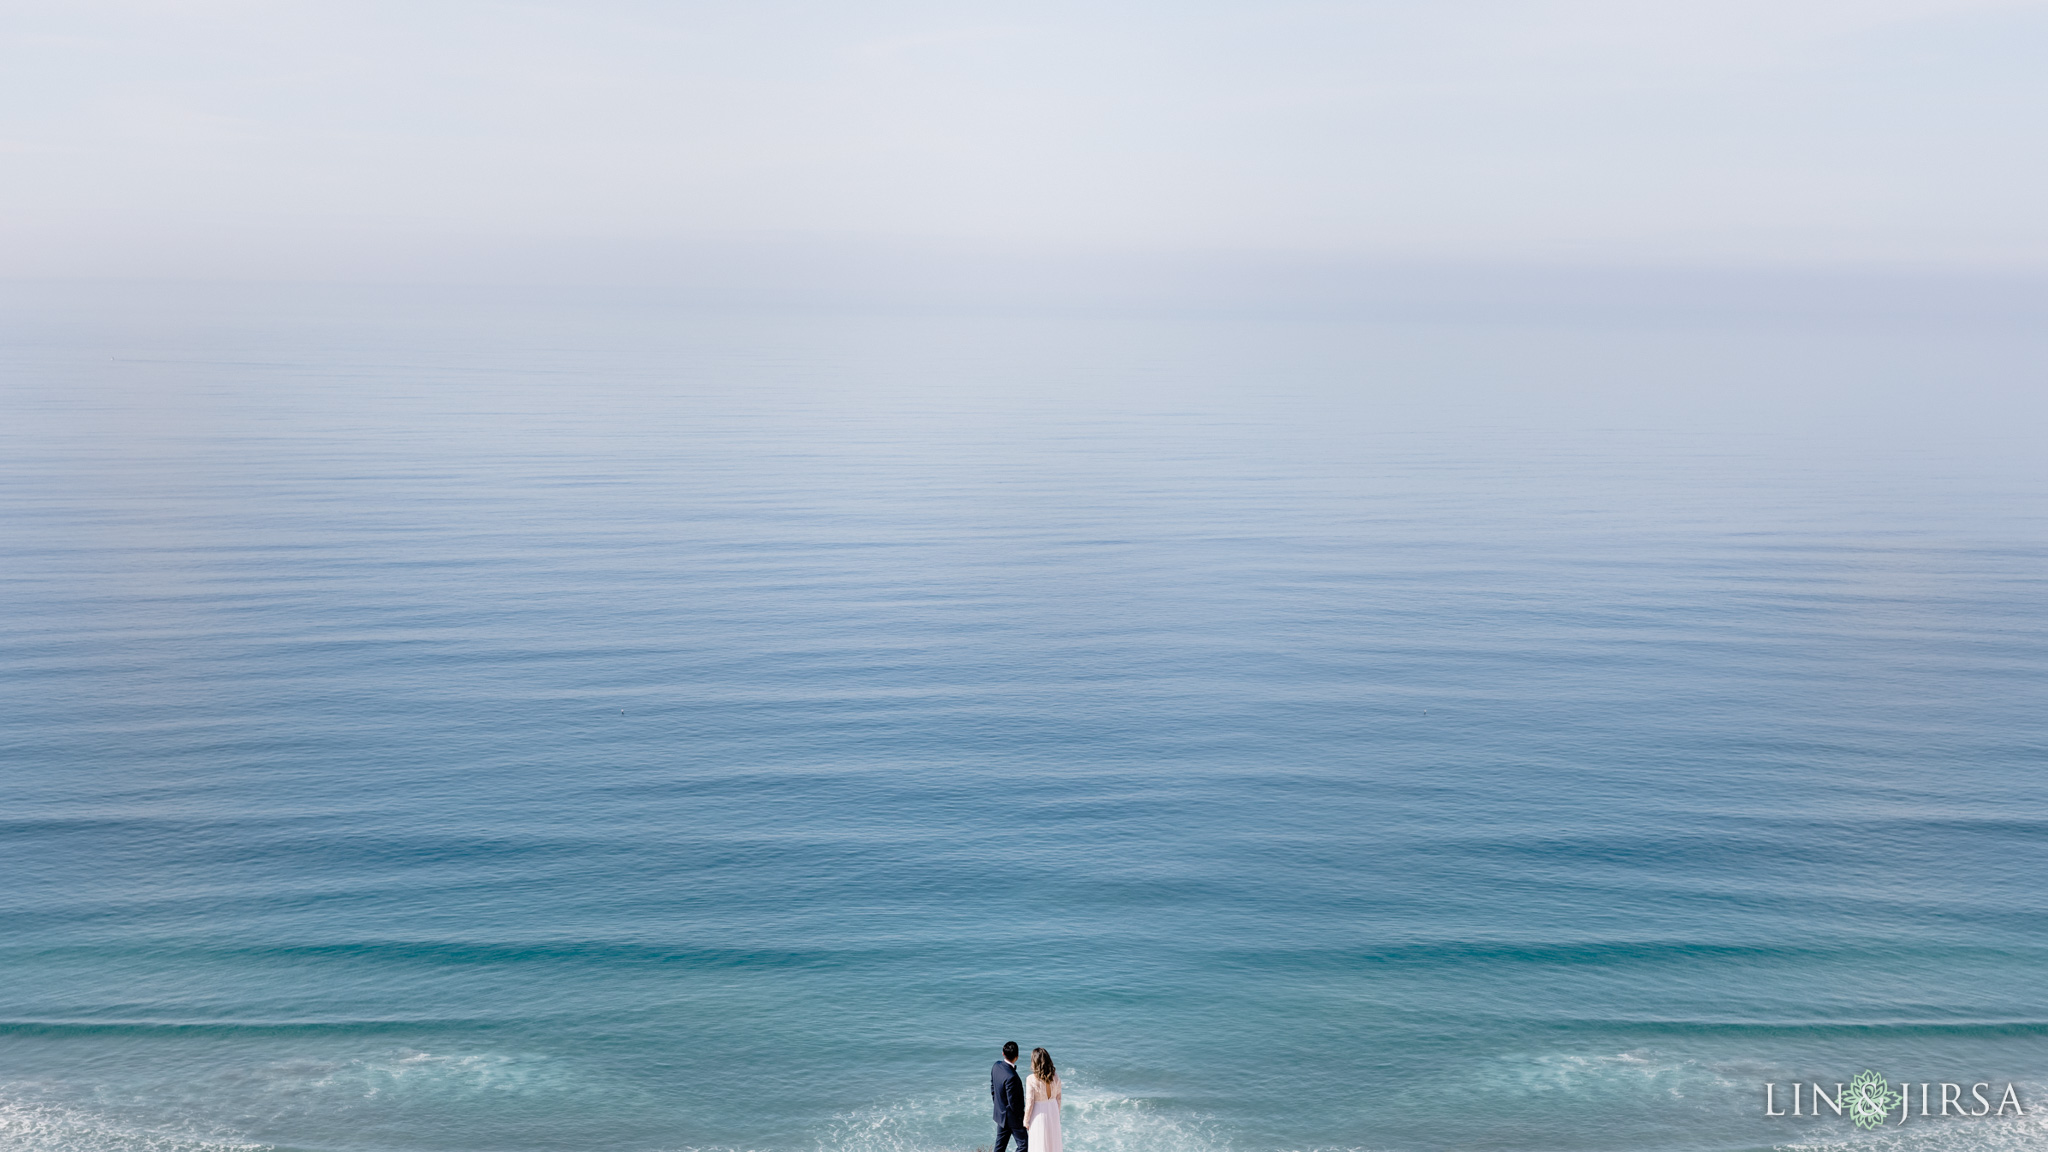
[295,137]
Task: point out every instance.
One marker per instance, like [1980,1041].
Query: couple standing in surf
[1027,1107]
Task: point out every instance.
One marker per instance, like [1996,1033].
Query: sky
[366,139]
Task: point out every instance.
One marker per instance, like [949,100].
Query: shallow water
[521,723]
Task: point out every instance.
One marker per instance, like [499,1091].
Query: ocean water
[462,722]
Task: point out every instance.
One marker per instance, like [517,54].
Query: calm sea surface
[505,725]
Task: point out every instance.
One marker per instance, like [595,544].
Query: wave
[1632,1072]
[602,953]
[399,1091]
[1807,1029]
[32,1126]
[1436,955]
[1695,1094]
[1108,1122]
[1093,1118]
[2009,1135]
[409,1071]
[29,1027]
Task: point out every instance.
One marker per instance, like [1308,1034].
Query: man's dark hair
[1009,1049]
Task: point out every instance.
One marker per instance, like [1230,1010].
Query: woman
[1042,1103]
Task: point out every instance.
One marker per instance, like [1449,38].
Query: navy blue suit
[1008,1092]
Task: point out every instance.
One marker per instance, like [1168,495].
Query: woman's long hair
[1041,1066]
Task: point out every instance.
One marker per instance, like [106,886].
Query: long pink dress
[1042,1113]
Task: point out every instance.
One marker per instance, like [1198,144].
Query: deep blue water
[488,724]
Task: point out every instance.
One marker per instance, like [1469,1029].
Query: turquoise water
[505,724]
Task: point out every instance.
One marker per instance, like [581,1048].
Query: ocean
[489,722]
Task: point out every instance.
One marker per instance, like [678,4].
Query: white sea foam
[37,1126]
[411,1071]
[1633,1072]
[1702,1089]
[1093,1118]
[39,1117]
[1988,1135]
[1102,1121]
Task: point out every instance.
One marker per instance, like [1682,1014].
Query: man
[1008,1092]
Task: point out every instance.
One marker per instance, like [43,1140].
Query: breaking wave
[34,1126]
[1093,1119]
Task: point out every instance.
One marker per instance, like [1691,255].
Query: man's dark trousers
[1008,1092]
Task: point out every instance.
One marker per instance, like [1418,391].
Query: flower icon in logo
[1870,1097]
